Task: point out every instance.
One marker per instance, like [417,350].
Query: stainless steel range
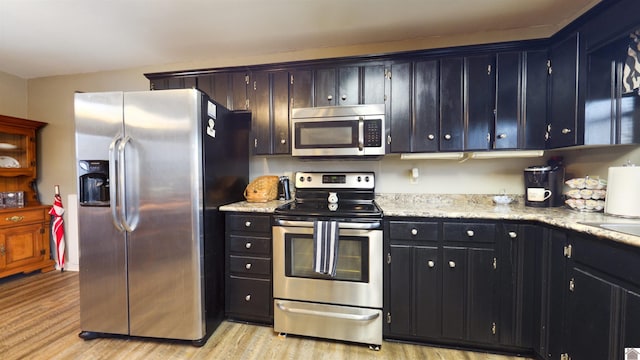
[327,259]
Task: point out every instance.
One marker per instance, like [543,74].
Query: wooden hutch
[24,228]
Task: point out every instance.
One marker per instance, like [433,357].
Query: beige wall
[13,95]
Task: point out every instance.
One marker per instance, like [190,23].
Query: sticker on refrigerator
[211,131]
[212,111]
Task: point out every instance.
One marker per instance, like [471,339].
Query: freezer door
[163,196]
[103,266]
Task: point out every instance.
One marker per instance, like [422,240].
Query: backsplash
[474,176]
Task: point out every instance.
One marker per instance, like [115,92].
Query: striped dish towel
[325,247]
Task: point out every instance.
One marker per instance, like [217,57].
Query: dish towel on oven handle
[325,246]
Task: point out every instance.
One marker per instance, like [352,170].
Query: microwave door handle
[361,134]
[113,186]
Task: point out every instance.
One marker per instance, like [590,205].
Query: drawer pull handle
[470,233]
[414,232]
[513,234]
[248,245]
[452,264]
[248,266]
[15,218]
[247,224]
[431,263]
[247,298]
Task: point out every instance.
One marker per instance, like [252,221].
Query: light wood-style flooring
[40,319]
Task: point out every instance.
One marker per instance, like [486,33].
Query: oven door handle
[362,317]
[342,225]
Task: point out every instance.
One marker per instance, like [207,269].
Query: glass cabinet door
[14,151]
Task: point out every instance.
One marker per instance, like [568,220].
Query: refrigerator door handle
[113,187]
[122,185]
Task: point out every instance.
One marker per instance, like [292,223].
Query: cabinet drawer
[469,232]
[413,230]
[249,223]
[19,217]
[249,297]
[249,266]
[249,245]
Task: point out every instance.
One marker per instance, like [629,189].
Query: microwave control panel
[373,133]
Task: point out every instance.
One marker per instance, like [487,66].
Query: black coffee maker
[543,185]
[93,182]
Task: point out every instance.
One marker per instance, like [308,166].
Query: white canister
[623,191]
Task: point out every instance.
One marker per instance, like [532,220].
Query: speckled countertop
[476,207]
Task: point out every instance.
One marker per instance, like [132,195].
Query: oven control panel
[335,180]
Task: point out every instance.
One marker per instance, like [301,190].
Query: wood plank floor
[39,319]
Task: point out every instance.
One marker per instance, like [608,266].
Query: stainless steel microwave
[343,131]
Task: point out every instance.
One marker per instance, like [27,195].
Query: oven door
[358,280]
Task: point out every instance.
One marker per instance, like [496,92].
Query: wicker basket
[262,189]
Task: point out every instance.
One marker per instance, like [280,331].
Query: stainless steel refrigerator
[153,168]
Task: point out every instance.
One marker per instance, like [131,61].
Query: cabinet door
[534,119]
[428,302]
[22,245]
[451,110]
[280,112]
[301,88]
[426,105]
[631,321]
[454,269]
[508,94]
[325,87]
[216,86]
[348,85]
[260,113]
[400,117]
[373,84]
[480,101]
[563,117]
[554,284]
[400,290]
[482,296]
[173,82]
[590,309]
[239,97]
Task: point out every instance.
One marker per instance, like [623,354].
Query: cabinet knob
[247,224]
[343,97]
[14,218]
[431,137]
[414,232]
[329,97]
[513,234]
[452,264]
[283,141]
[501,136]
[470,233]
[247,298]
[248,266]
[248,245]
[566,131]
[447,137]
[431,263]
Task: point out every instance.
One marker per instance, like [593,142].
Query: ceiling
[41,38]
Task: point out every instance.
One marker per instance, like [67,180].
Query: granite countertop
[476,207]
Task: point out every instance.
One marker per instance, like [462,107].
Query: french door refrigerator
[153,168]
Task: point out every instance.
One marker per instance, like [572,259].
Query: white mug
[538,194]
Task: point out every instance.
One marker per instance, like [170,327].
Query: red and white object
[57,227]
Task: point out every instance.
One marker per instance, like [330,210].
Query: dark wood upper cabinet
[301,88]
[508,94]
[534,100]
[563,94]
[373,84]
[426,103]
[400,116]
[269,103]
[217,86]
[479,80]
[451,104]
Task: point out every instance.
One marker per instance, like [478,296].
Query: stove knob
[301,178]
[359,179]
[366,179]
[309,178]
